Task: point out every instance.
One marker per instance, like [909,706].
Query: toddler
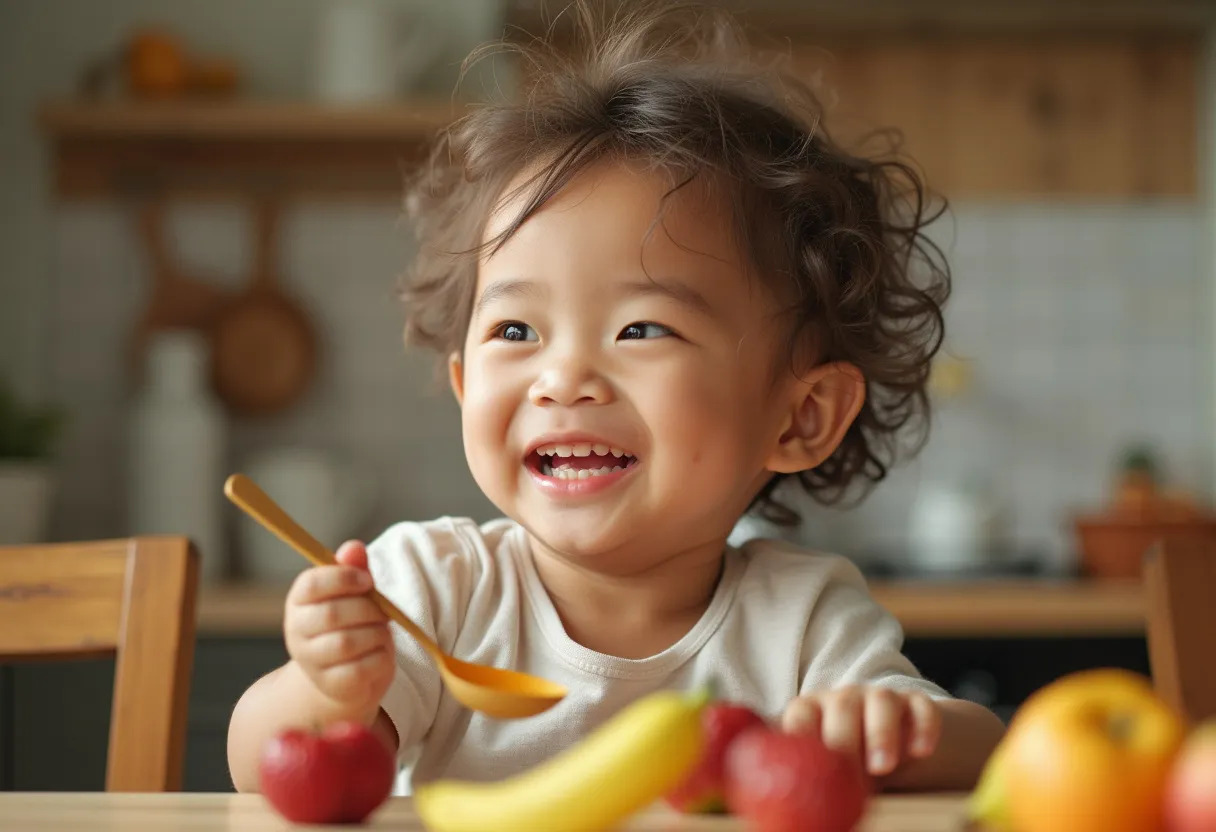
[665,297]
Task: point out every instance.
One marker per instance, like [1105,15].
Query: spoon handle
[255,502]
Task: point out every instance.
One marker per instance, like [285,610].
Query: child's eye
[643,329]
[515,331]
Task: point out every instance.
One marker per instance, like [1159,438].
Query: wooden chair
[133,599]
[1180,595]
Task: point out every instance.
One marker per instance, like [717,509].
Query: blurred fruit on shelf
[155,64]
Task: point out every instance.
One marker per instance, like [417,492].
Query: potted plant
[27,438]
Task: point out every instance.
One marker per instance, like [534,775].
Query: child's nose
[569,380]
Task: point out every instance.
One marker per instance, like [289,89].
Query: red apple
[781,782]
[340,775]
[1190,794]
[301,777]
[703,791]
[368,765]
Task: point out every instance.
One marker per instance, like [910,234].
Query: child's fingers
[926,725]
[324,582]
[841,723]
[882,718]
[362,679]
[336,614]
[802,716]
[352,553]
[346,646]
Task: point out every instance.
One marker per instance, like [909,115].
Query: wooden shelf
[243,119]
[1015,608]
[947,609]
[114,147]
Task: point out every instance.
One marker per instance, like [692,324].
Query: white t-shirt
[782,621]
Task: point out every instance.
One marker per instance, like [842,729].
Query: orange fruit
[156,64]
[1091,752]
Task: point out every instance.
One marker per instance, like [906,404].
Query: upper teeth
[580,449]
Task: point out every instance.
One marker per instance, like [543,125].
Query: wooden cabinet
[1028,115]
[1008,100]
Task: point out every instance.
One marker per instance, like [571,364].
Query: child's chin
[578,543]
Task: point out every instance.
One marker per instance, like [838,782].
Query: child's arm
[342,664]
[906,740]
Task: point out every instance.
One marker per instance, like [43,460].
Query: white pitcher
[328,497]
[372,51]
[955,528]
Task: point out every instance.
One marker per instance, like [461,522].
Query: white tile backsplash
[1088,330]
[1087,327]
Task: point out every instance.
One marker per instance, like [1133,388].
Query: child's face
[613,415]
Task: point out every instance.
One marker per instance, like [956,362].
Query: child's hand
[886,726]
[337,635]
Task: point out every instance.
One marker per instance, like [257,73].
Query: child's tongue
[587,463]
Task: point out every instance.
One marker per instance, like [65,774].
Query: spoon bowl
[502,694]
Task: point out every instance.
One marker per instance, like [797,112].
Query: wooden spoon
[504,694]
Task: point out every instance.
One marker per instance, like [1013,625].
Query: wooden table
[204,812]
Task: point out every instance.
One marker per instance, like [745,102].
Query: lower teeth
[565,472]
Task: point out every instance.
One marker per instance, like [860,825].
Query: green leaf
[27,432]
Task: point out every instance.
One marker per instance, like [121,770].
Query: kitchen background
[1080,327]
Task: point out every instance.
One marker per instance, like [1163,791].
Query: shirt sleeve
[852,640]
[428,572]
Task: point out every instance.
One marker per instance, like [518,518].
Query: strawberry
[340,775]
[784,782]
[703,790]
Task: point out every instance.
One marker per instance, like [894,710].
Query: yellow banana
[621,767]
[988,805]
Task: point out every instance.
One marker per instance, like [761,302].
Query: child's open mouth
[579,461]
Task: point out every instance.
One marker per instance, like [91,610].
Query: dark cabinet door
[55,717]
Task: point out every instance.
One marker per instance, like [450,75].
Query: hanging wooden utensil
[265,346]
[176,301]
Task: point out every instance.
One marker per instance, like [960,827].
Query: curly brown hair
[840,237]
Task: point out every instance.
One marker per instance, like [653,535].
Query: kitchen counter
[960,609]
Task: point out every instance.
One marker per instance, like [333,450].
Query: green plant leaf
[27,432]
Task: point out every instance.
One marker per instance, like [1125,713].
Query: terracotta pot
[1114,547]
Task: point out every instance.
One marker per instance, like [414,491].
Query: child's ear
[823,404]
[456,376]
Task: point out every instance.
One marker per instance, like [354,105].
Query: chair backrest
[133,599]
[1180,594]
